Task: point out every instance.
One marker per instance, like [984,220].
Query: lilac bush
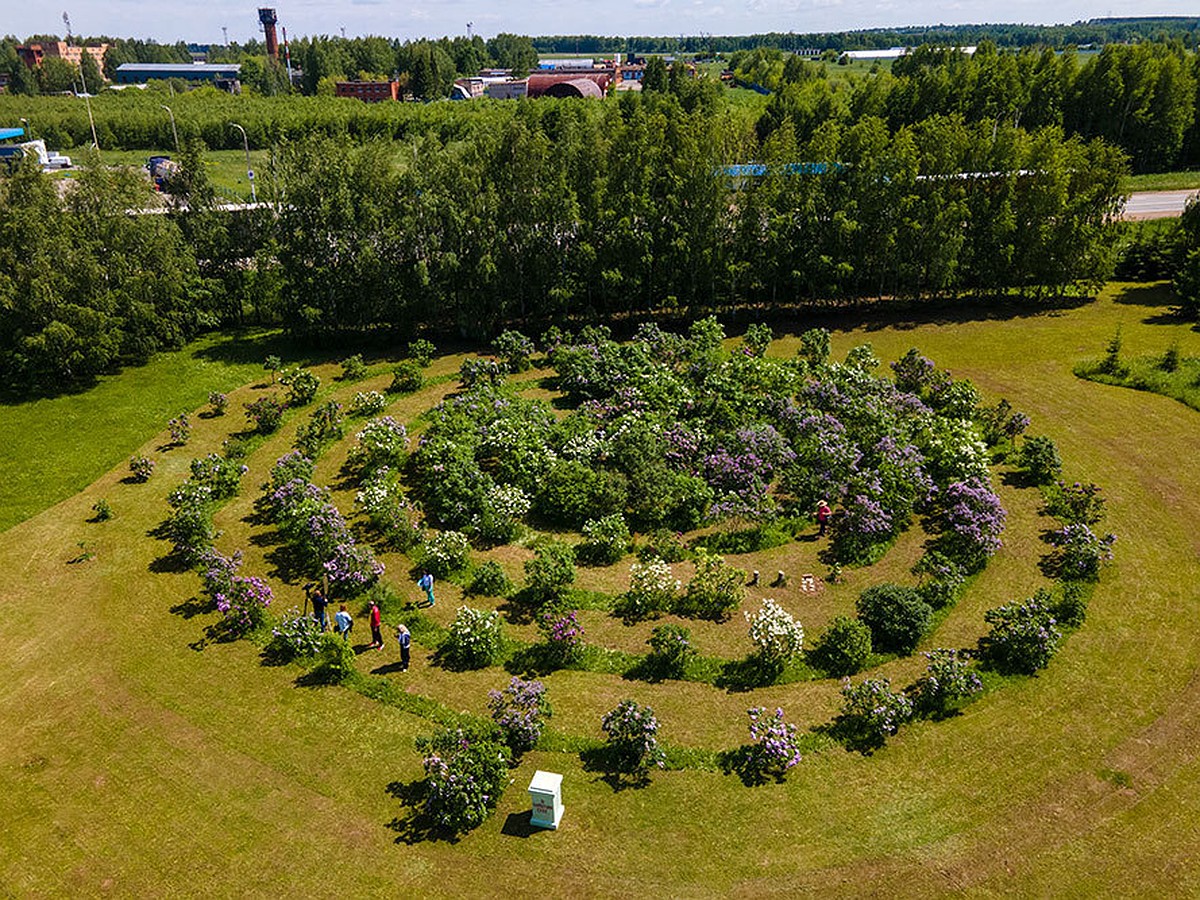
[521,710]
[632,736]
[671,648]
[653,589]
[948,679]
[466,770]
[367,403]
[223,476]
[244,607]
[141,468]
[475,638]
[265,413]
[564,636]
[972,521]
[1076,503]
[872,711]
[1080,553]
[778,638]
[606,540]
[218,403]
[381,442]
[297,635]
[774,745]
[715,591]
[180,429]
[445,552]
[352,568]
[1023,638]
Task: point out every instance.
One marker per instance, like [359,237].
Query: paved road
[1156,204]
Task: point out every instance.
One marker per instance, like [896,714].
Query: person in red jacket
[823,514]
[376,622]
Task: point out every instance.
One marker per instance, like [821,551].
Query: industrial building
[223,75]
[33,54]
[368,91]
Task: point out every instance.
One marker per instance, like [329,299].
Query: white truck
[50,160]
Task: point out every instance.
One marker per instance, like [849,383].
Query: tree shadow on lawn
[416,827]
[1152,295]
[740,761]
[600,759]
[740,675]
[908,315]
[850,733]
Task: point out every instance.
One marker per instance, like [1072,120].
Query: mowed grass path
[131,763]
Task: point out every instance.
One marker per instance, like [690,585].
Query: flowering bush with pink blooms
[632,736]
[564,636]
[521,710]
[774,746]
[466,771]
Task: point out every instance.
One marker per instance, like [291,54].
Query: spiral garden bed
[641,510]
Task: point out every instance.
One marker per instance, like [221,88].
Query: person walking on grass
[404,639]
[319,603]
[376,626]
[344,622]
[425,583]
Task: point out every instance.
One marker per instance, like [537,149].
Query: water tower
[267,19]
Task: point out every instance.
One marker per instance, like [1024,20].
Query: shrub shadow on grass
[740,762]
[416,827]
[739,675]
[848,732]
[602,760]
[284,564]
[520,608]
[193,606]
[533,660]
[388,668]
[654,670]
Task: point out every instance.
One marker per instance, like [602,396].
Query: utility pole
[173,131]
[225,35]
[249,171]
[87,100]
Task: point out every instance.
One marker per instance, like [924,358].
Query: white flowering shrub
[504,506]
[476,638]
[778,636]
[653,588]
[381,442]
[446,552]
[368,403]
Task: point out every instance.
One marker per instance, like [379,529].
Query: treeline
[1093,31]
[628,211]
[1141,97]
[547,212]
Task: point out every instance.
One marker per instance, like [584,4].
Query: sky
[407,19]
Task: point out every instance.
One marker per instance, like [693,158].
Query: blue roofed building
[223,75]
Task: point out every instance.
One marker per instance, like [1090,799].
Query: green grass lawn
[136,761]
[57,446]
[226,168]
[1163,181]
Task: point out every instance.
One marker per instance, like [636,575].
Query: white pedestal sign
[545,793]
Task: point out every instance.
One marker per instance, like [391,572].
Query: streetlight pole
[249,171]
[173,130]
